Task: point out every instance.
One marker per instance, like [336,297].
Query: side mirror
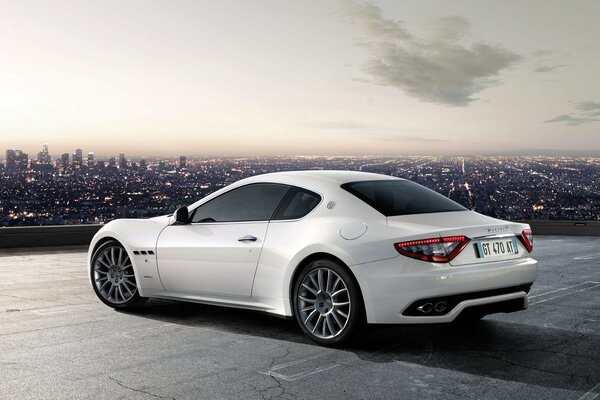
[181,216]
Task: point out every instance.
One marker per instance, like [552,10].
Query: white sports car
[332,249]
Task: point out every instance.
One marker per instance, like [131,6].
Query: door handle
[247,238]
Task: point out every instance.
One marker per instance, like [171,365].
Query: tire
[328,304]
[112,276]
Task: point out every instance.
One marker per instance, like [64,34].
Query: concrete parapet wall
[567,228]
[47,236]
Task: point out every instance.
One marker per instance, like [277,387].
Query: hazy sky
[299,77]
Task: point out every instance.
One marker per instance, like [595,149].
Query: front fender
[134,235]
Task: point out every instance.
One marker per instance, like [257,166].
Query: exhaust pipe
[440,307]
[425,308]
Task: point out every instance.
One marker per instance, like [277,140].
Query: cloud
[373,22]
[547,68]
[571,120]
[587,106]
[584,114]
[543,53]
[440,69]
[548,61]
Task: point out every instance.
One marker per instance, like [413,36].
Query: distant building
[112,162]
[182,162]
[90,159]
[122,161]
[44,155]
[64,160]
[16,160]
[143,163]
[11,160]
[23,162]
[78,158]
[41,167]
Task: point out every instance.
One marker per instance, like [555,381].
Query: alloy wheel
[113,275]
[324,303]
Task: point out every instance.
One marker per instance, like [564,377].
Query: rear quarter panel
[288,243]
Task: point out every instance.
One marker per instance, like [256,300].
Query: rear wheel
[327,303]
[112,276]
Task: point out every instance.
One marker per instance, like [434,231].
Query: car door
[217,252]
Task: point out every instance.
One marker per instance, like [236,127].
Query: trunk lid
[477,227]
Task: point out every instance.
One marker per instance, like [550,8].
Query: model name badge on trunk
[495,229]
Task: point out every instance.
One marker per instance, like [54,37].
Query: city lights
[51,191]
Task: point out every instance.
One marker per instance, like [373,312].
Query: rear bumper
[393,288]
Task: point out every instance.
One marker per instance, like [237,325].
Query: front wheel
[327,303]
[112,276]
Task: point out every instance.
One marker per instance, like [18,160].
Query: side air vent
[143,252]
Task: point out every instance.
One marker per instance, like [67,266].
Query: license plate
[497,248]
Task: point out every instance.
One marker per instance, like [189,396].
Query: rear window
[400,197]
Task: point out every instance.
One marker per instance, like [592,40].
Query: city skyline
[58,156]
[329,78]
[79,192]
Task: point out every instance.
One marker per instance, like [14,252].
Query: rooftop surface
[58,341]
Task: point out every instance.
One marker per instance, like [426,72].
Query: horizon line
[521,153]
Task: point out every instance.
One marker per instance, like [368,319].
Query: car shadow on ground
[566,359]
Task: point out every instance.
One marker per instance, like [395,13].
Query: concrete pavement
[57,341]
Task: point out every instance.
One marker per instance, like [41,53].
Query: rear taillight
[527,239]
[442,249]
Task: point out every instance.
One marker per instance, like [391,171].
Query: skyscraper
[22,160]
[16,160]
[182,162]
[90,159]
[78,158]
[122,161]
[64,160]
[11,160]
[44,155]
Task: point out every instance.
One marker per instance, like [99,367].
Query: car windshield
[401,197]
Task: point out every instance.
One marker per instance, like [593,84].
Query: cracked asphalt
[57,341]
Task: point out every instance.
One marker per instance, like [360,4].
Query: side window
[297,204]
[256,202]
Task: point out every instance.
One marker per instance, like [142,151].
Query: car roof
[324,182]
[316,178]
